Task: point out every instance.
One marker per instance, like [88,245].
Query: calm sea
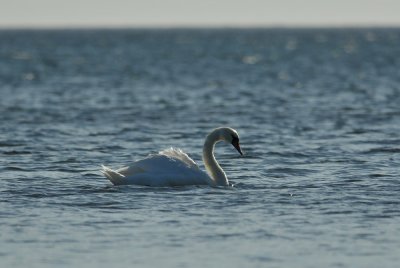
[318,112]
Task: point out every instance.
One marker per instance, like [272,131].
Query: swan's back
[171,167]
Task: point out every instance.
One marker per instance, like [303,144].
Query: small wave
[14,152]
[99,133]
[10,144]
[66,161]
[376,175]
[291,171]
[382,150]
[15,169]
[289,154]
[357,131]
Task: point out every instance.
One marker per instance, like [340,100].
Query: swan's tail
[115,177]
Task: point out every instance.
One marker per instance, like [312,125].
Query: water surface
[317,111]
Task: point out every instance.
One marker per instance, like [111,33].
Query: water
[317,111]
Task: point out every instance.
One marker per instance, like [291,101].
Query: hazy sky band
[57,13]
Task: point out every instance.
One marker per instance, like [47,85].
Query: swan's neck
[211,164]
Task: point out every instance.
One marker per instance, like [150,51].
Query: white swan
[172,167]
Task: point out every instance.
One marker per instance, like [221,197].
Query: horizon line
[199,26]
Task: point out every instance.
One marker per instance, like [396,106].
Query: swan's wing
[167,161]
[178,154]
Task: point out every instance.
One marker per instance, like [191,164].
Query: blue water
[318,112]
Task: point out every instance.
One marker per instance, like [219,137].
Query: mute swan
[172,167]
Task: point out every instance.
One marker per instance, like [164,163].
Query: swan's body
[173,167]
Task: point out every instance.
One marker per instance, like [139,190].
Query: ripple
[14,152]
[291,171]
[382,150]
[11,168]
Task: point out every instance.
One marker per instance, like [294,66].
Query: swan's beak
[235,144]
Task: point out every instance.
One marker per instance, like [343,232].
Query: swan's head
[230,135]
